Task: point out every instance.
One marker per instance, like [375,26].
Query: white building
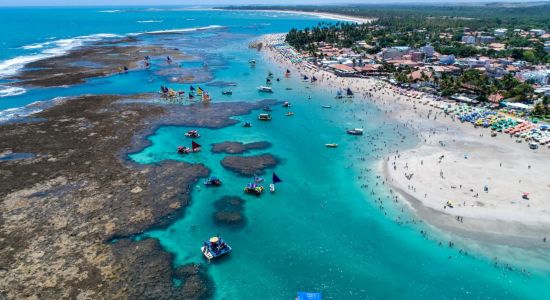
[501,32]
[537,32]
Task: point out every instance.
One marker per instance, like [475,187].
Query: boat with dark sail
[274,179]
[349,93]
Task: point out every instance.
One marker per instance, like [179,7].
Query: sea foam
[50,49]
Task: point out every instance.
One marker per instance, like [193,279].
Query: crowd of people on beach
[383,147]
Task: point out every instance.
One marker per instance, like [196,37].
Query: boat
[247,124]
[313,79]
[265,89]
[274,179]
[286,104]
[309,296]
[183,150]
[258,179]
[269,74]
[333,145]
[339,95]
[252,62]
[195,147]
[305,78]
[326,106]
[264,117]
[215,247]
[267,108]
[192,134]
[289,114]
[349,93]
[356,131]
[533,146]
[228,92]
[253,188]
[213,181]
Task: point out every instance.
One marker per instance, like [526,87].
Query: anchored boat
[265,89]
[228,92]
[286,104]
[274,179]
[215,247]
[332,145]
[264,117]
[213,181]
[253,188]
[356,131]
[192,134]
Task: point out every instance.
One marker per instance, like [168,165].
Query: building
[392,53]
[495,72]
[486,39]
[500,32]
[428,50]
[447,59]
[537,32]
[538,76]
[417,56]
[477,62]
[547,46]
[469,39]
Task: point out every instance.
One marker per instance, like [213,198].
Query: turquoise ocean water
[323,230]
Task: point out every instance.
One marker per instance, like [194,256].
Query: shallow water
[321,230]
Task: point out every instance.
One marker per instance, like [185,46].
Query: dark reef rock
[249,165]
[238,147]
[151,267]
[98,59]
[229,211]
[59,208]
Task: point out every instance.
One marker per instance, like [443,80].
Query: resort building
[500,32]
[469,39]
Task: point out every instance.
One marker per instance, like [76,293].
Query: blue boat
[215,247]
[309,296]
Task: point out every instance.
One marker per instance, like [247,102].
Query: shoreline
[322,15]
[500,215]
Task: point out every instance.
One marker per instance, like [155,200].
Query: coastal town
[488,81]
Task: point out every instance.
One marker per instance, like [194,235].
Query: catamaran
[215,247]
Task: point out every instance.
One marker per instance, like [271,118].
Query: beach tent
[308,296]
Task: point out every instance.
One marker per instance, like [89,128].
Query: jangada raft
[213,181]
[253,188]
[185,150]
[215,247]
[192,134]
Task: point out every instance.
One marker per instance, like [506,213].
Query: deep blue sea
[323,230]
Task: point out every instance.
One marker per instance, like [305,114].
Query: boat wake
[8,91]
[150,21]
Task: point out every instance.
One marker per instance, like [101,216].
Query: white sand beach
[454,162]
[318,14]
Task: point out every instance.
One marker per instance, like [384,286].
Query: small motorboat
[286,104]
[326,106]
[213,181]
[192,134]
[252,62]
[215,247]
[264,117]
[258,179]
[253,188]
[289,114]
[228,92]
[267,108]
[288,89]
[272,188]
[356,131]
[332,145]
[247,124]
[265,89]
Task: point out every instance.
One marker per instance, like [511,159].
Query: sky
[209,2]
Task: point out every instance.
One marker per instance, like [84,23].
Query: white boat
[272,188]
[265,89]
